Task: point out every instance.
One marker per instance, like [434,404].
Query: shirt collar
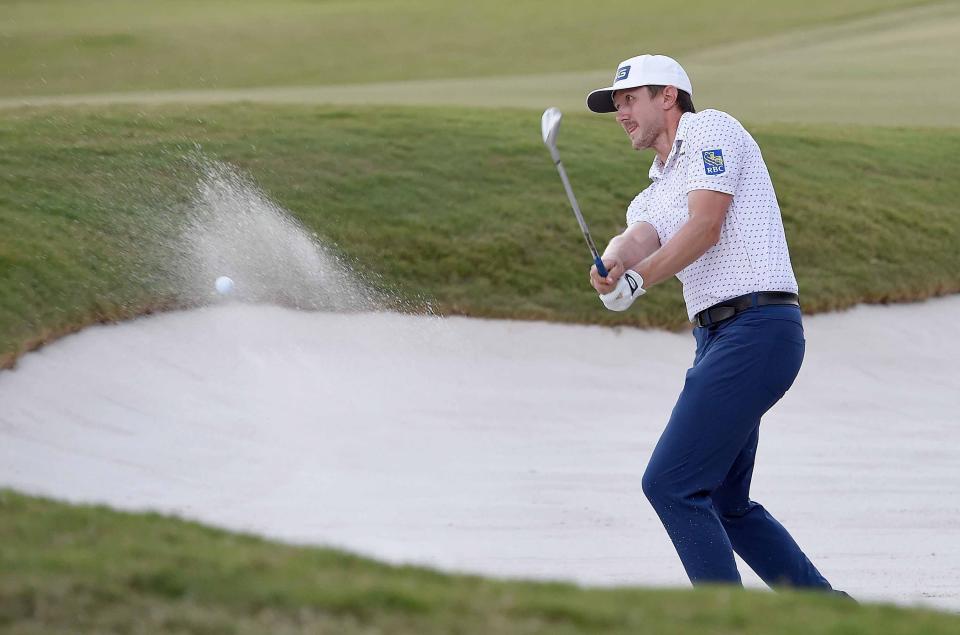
[657,169]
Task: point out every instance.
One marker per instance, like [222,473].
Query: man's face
[641,115]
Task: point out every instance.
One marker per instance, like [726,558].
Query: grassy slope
[69,569]
[460,206]
[50,47]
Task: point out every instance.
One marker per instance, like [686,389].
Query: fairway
[864,70]
[53,47]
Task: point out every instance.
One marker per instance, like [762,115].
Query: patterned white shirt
[713,151]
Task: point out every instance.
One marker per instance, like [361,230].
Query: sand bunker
[503,448]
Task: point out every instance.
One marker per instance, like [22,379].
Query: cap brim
[601,100]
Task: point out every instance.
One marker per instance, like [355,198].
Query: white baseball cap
[642,70]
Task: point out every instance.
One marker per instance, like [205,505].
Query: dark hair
[684,100]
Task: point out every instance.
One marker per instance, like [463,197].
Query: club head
[550,126]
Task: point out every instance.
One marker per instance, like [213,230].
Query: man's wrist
[646,271]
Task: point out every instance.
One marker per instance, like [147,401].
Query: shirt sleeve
[639,211]
[714,151]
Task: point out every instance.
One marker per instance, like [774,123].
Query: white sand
[504,448]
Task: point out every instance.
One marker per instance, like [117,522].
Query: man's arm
[708,209]
[624,252]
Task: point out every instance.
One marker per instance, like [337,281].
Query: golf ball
[224,285]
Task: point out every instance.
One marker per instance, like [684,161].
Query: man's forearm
[690,242]
[625,249]
[633,245]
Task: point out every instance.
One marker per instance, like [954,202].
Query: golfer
[710,217]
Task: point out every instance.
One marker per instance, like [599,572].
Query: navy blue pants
[698,478]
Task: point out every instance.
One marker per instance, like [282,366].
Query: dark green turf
[459,207]
[79,569]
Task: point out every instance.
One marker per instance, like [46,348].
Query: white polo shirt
[713,151]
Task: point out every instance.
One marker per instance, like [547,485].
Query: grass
[863,70]
[71,569]
[457,206]
[859,72]
[50,47]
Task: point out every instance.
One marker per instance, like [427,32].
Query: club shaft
[576,210]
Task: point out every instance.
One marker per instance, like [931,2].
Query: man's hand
[629,287]
[615,269]
[622,285]
[624,251]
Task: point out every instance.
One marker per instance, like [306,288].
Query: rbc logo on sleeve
[622,73]
[713,162]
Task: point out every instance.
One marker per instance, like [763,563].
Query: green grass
[455,205]
[80,569]
[50,47]
[861,63]
[863,70]
[458,206]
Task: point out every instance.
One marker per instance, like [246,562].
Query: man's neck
[668,137]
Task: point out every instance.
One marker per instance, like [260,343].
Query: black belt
[728,308]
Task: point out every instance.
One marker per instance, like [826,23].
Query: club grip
[600,268]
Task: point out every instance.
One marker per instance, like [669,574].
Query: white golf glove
[629,288]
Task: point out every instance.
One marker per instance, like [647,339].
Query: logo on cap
[713,162]
[622,73]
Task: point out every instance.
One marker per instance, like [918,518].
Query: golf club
[550,126]
[630,285]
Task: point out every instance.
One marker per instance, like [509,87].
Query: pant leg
[738,375]
[763,543]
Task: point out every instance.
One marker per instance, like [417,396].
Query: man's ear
[670,96]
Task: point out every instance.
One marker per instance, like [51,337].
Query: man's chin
[637,142]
